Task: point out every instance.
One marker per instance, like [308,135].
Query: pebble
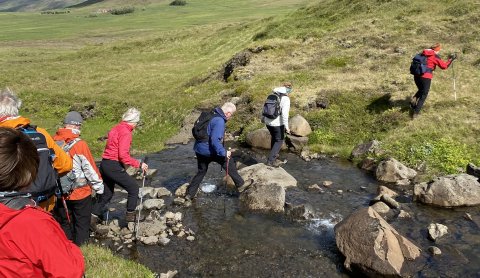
[434,250]
[327,183]
[190,238]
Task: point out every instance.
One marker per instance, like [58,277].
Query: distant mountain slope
[35,5]
[42,5]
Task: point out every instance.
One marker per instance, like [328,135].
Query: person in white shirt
[278,126]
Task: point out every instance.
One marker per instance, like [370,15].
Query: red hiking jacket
[432,61]
[32,244]
[118,145]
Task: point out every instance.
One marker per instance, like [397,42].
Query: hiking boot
[94,221]
[276,163]
[245,185]
[130,216]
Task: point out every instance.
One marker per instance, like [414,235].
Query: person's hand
[287,130]
[98,189]
[452,56]
[144,167]
[229,154]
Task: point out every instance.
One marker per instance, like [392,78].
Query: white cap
[131,116]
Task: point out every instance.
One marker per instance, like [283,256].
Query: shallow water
[231,243]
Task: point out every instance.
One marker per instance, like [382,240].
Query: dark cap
[73,118]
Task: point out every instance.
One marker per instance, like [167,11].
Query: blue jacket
[215,131]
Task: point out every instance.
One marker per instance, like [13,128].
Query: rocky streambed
[219,235]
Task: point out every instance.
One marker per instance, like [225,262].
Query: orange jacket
[84,164]
[62,163]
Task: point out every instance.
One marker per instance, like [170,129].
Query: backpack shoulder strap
[67,147]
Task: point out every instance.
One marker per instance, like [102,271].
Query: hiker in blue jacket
[213,150]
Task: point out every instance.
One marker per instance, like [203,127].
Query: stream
[233,243]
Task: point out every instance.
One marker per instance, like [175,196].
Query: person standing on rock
[115,158]
[212,150]
[32,244]
[424,81]
[85,177]
[279,125]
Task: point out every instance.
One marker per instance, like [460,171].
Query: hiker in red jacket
[32,244]
[114,159]
[424,81]
[85,177]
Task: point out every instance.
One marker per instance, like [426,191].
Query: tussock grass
[101,262]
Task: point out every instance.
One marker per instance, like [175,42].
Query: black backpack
[419,65]
[271,107]
[199,130]
[46,182]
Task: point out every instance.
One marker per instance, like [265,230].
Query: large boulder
[391,170]
[261,174]
[372,246]
[266,189]
[264,198]
[449,191]
[296,143]
[299,126]
[259,138]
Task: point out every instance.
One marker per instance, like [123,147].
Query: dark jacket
[215,131]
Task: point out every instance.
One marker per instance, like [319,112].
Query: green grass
[165,60]
[101,262]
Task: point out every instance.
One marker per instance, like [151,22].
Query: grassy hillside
[164,60]
[355,56]
[34,5]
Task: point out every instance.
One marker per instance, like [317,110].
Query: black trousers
[278,135]
[423,85]
[203,162]
[80,211]
[113,173]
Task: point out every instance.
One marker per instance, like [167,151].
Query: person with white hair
[43,187]
[112,168]
[212,150]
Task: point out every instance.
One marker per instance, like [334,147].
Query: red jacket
[118,145]
[432,61]
[32,244]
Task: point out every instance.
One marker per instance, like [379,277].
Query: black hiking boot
[130,216]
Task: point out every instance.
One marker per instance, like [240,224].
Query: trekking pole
[226,181]
[141,197]
[66,209]
[454,87]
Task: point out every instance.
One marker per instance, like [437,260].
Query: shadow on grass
[383,103]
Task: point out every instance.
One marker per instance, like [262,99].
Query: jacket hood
[429,52]
[219,111]
[7,214]
[65,134]
[15,122]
